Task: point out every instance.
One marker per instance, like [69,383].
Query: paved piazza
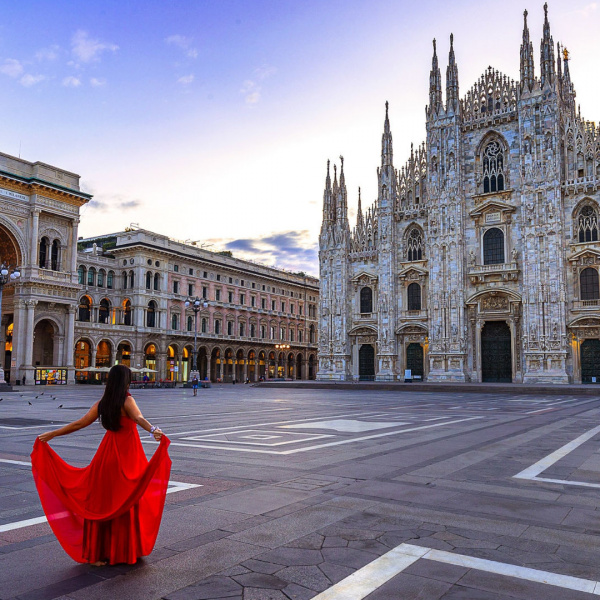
[280,494]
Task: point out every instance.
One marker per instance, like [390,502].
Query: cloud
[28,80]
[114,202]
[251,89]
[11,67]
[49,54]
[86,49]
[71,81]
[292,250]
[184,43]
[97,82]
[588,10]
[186,80]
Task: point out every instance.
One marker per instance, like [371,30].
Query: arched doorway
[239,366]
[103,354]
[271,366]
[299,366]
[496,354]
[228,366]
[215,365]
[290,367]
[124,354]
[252,365]
[366,363]
[43,344]
[83,359]
[414,359]
[202,365]
[171,373]
[311,366]
[590,360]
[262,364]
[150,360]
[186,363]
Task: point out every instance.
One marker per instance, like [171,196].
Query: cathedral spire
[328,211]
[387,152]
[452,80]
[547,62]
[359,215]
[435,85]
[527,68]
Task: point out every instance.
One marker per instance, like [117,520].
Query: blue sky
[213,120]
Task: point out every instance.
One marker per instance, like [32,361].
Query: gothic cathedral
[479,260]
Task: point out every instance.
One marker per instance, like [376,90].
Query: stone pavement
[280,494]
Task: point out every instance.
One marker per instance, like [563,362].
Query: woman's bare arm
[135,414]
[86,420]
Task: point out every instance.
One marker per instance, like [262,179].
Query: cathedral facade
[479,259]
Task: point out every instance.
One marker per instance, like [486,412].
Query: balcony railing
[505,271]
[587,305]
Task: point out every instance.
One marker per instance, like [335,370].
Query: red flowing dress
[111,509]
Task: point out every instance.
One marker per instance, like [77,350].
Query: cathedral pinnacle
[435,84]
[452,101]
[547,63]
[387,153]
[527,68]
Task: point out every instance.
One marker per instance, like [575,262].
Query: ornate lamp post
[5,277]
[196,304]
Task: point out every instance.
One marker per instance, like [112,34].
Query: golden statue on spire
[565,54]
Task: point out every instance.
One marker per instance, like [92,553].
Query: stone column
[19,331]
[28,342]
[73,265]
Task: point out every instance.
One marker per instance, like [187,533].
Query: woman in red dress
[110,511]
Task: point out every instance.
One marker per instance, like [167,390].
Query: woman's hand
[46,437]
[157,434]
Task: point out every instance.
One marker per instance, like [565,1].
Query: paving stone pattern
[288,521]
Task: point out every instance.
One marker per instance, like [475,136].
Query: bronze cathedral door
[496,355]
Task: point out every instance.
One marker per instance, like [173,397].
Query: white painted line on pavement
[15,462]
[372,576]
[531,473]
[174,486]
[327,445]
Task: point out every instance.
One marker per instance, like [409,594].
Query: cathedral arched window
[493,167]
[366,300]
[493,247]
[414,296]
[414,245]
[586,225]
[588,284]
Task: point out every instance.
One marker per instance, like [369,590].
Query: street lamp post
[5,277]
[196,304]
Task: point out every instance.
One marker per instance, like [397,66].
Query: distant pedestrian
[195,385]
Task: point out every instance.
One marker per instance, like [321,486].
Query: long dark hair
[117,389]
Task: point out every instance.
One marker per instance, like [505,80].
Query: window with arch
[104,311]
[229,327]
[54,255]
[493,167]
[148,280]
[43,257]
[124,278]
[204,325]
[242,329]
[85,309]
[311,334]
[291,335]
[493,247]
[175,321]
[414,296]
[81,275]
[414,245]
[156,281]
[109,280]
[282,333]
[366,300]
[588,284]
[101,275]
[217,326]
[190,323]
[586,224]
[263,332]
[151,314]
[127,317]
[252,330]
[300,335]
[91,276]
[131,279]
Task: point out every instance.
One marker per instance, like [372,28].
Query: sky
[212,120]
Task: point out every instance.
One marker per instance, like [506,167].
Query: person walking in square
[108,512]
[195,385]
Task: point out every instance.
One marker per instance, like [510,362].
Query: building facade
[121,298]
[479,259]
[39,217]
[254,321]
